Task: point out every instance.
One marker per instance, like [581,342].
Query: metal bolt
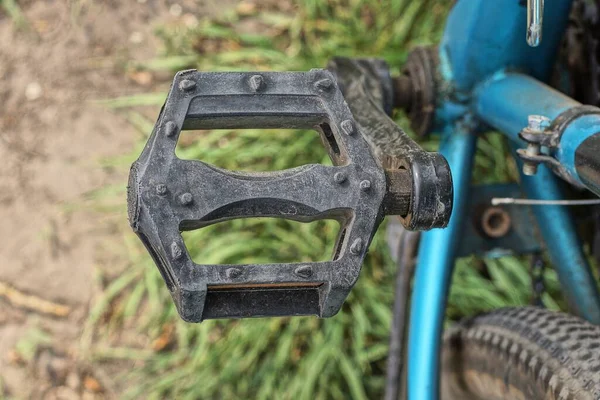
[356,247]
[304,271]
[538,122]
[176,251]
[161,189]
[348,127]
[324,84]
[170,128]
[233,273]
[339,177]
[530,168]
[365,185]
[186,199]
[535,124]
[257,83]
[187,85]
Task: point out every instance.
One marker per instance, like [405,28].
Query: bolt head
[170,128]
[176,251]
[187,84]
[356,247]
[348,127]
[339,177]
[186,199]
[257,83]
[304,271]
[233,273]
[161,189]
[365,185]
[324,85]
[538,122]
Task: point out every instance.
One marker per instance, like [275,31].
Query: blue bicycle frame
[493,78]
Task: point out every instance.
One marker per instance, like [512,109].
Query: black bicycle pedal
[167,195]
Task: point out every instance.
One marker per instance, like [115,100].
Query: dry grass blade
[33,303]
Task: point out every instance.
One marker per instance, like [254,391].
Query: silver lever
[535,19]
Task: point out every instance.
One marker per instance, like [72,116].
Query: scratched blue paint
[577,131]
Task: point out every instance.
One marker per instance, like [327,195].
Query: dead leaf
[91,384]
[143,78]
[14,357]
[165,339]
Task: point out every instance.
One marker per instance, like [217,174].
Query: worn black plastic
[432,192]
[167,195]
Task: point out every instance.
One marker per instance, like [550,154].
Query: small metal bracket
[548,136]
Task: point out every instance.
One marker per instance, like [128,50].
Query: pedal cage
[167,195]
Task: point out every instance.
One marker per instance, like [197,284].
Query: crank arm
[367,87]
[167,195]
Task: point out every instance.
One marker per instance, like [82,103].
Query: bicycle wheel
[522,353]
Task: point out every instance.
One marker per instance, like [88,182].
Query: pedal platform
[167,195]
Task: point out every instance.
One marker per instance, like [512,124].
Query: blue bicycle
[512,66]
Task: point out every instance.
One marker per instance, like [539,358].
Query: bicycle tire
[522,353]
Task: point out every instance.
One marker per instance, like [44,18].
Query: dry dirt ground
[52,136]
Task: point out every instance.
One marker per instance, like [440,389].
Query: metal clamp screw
[536,123]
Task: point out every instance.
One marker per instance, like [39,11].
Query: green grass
[288,358]
[12,9]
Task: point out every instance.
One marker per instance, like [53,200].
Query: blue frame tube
[481,38]
[563,245]
[507,99]
[433,274]
[505,102]
[485,36]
